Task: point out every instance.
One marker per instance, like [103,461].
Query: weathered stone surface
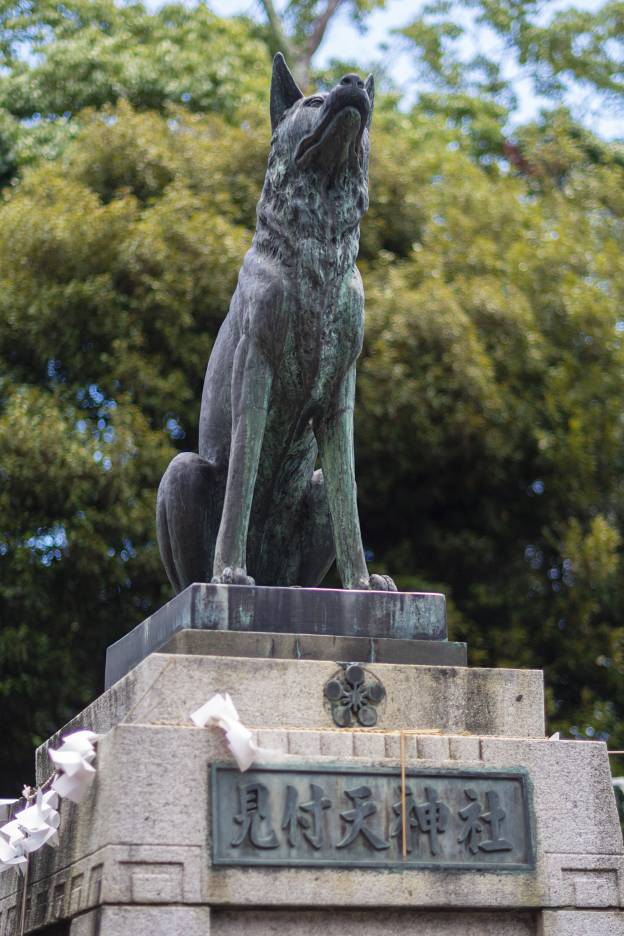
[314,611]
[574,798]
[143,921]
[466,750]
[313,647]
[144,832]
[165,688]
[582,880]
[355,923]
[142,839]
[582,923]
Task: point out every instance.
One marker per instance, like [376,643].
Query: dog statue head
[325,130]
[317,179]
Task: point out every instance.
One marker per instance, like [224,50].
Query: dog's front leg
[335,440]
[251,389]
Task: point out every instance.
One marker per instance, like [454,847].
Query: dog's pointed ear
[284,90]
[369,84]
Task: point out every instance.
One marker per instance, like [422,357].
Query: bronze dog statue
[280,383]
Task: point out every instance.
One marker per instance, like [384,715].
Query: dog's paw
[381,583]
[231,576]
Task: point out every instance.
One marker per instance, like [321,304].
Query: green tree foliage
[117,264]
[85,53]
[489,431]
[571,47]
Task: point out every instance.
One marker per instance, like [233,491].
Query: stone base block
[582,923]
[144,833]
[156,846]
[278,694]
[272,646]
[314,611]
[143,921]
[370,923]
[200,921]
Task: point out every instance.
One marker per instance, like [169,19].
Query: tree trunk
[299,57]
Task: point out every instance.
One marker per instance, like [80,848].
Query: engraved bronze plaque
[348,817]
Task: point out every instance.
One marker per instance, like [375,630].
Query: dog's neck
[310,222]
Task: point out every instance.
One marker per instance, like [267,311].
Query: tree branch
[320,26]
[300,55]
[275,24]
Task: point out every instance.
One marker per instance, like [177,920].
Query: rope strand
[403,794]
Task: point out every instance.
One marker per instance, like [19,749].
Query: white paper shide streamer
[74,760]
[221,712]
[31,828]
[37,824]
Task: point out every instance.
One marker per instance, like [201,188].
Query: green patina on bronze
[278,397]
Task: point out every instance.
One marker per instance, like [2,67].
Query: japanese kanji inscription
[323,816]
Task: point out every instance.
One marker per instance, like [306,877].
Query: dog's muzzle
[349,95]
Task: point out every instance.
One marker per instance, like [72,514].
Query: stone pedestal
[235,620]
[152,851]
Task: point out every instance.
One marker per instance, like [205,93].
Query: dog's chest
[324,338]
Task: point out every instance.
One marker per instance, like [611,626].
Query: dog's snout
[354,80]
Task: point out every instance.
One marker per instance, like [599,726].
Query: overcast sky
[343,41]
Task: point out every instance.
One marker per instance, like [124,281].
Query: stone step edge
[382,745]
[373,744]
